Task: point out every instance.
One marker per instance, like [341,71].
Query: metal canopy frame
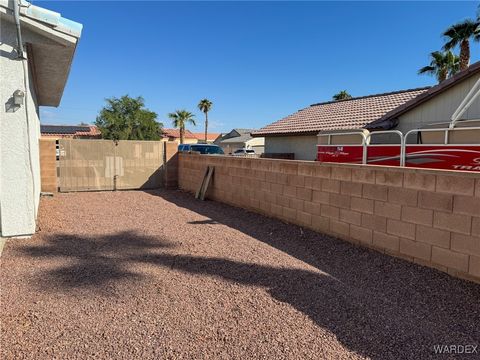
[403,140]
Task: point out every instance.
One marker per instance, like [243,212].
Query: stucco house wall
[257,144]
[177,140]
[304,147]
[40,70]
[19,150]
[230,148]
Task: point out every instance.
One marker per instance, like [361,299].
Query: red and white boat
[449,146]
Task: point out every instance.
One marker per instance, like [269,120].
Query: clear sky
[257,61]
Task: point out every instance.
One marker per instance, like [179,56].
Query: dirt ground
[160,275]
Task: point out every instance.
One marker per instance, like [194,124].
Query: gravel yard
[160,275]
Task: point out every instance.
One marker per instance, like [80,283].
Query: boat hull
[446,157]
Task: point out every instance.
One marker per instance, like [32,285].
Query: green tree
[342,95]
[460,34]
[180,118]
[442,65]
[127,118]
[205,105]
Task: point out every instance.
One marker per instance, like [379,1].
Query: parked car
[201,148]
[184,147]
[240,152]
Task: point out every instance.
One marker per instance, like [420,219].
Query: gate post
[48,165]
[170,164]
[115,175]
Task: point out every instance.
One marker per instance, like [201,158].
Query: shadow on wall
[375,305]
[10,105]
[155,180]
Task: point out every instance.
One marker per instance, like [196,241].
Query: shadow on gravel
[376,305]
[203,222]
[91,262]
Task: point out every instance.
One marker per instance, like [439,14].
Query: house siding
[441,107]
[304,147]
[230,148]
[19,142]
[257,144]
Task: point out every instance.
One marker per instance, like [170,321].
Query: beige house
[211,137]
[241,139]
[400,110]
[174,135]
[297,134]
[435,105]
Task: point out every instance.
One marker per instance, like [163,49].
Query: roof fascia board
[280,134]
[44,30]
[429,94]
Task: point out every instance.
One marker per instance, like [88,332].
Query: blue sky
[257,61]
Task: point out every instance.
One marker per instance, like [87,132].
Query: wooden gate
[89,165]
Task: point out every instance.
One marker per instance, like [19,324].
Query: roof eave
[51,61]
[432,92]
[276,134]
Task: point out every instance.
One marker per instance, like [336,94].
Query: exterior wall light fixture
[18,97]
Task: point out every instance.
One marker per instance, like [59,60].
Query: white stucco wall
[19,146]
[304,147]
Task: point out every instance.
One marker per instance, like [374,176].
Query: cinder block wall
[48,165]
[430,217]
[171,165]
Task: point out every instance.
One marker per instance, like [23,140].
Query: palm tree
[443,65]
[342,95]
[179,119]
[461,33]
[205,105]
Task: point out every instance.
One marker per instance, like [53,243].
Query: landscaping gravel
[160,275]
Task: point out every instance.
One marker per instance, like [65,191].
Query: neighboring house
[211,137]
[70,131]
[435,105]
[400,110]
[241,139]
[34,67]
[174,135]
[297,133]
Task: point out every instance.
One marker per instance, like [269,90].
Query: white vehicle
[241,152]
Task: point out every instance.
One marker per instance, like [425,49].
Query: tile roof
[353,113]
[70,130]
[244,131]
[427,95]
[175,133]
[210,136]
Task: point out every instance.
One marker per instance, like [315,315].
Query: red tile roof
[94,131]
[210,136]
[175,133]
[74,131]
[353,113]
